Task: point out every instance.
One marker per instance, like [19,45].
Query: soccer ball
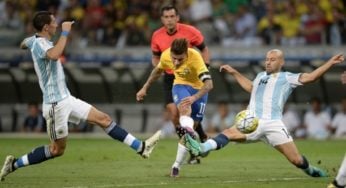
[246,122]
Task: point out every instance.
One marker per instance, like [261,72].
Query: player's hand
[141,94]
[343,78]
[228,69]
[188,101]
[66,26]
[339,58]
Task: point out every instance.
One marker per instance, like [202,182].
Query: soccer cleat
[316,172]
[192,145]
[175,172]
[7,168]
[149,144]
[334,184]
[194,160]
[190,132]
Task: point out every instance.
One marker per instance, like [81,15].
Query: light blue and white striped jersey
[50,72]
[270,92]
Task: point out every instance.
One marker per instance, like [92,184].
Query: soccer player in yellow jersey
[190,88]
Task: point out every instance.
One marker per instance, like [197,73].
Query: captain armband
[204,76]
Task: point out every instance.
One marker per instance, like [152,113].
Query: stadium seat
[28,85]
[9,93]
[90,84]
[155,93]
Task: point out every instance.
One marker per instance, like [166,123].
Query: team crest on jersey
[184,73]
[264,81]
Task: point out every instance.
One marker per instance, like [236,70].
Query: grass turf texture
[103,163]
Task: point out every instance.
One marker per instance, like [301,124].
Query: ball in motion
[246,122]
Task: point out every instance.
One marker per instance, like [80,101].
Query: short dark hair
[41,18]
[179,46]
[169,7]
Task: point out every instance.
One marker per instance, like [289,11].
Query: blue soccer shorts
[180,92]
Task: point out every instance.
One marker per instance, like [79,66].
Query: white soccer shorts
[59,114]
[272,132]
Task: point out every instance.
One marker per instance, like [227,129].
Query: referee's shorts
[167,87]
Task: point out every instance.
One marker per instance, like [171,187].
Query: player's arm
[23,45]
[156,52]
[244,82]
[154,75]
[317,73]
[205,53]
[155,59]
[55,52]
[207,86]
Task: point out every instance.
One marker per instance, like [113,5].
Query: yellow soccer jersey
[189,71]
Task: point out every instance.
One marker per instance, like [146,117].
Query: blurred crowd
[120,23]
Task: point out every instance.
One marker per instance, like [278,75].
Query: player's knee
[104,120]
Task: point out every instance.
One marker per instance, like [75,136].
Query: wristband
[64,33]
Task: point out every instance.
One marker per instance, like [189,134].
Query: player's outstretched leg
[200,149]
[7,167]
[202,137]
[36,156]
[142,148]
[311,170]
[193,145]
[150,144]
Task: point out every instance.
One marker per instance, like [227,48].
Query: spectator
[34,122]
[289,22]
[316,121]
[339,120]
[313,24]
[336,29]
[268,28]
[293,123]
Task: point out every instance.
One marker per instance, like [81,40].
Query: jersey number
[202,108]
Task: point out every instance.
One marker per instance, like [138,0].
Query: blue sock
[122,135]
[37,155]
[221,141]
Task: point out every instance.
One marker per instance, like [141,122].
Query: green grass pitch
[104,163]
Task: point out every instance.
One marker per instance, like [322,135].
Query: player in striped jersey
[269,92]
[59,106]
[191,85]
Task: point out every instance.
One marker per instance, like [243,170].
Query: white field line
[194,182]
